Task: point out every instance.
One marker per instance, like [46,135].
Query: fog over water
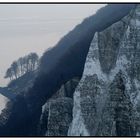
[26,28]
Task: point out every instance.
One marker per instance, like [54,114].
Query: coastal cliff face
[105,101]
[107,98]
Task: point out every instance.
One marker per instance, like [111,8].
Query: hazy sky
[26,28]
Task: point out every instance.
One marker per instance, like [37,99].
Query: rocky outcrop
[106,99]
[68,89]
[56,117]
[109,44]
[57,112]
[60,117]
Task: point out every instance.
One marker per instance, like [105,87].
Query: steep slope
[106,99]
[22,116]
[23,83]
[66,60]
[19,85]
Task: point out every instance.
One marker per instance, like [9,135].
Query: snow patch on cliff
[93,67]
[77,127]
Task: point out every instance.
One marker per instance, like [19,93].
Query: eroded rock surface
[109,90]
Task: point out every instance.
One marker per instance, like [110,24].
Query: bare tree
[9,74]
[22,66]
[14,67]
[34,60]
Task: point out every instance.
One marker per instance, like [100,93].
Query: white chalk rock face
[107,99]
